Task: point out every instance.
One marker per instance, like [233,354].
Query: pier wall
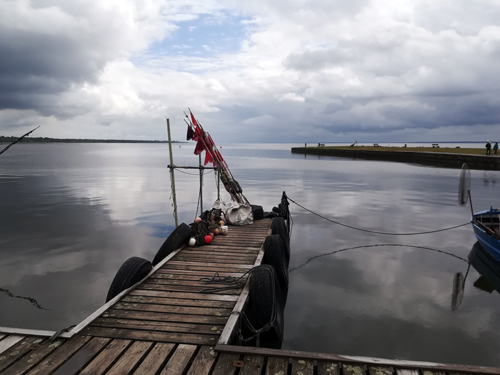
[437,159]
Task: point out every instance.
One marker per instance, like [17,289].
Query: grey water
[71,214]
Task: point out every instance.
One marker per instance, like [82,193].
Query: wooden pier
[166,325]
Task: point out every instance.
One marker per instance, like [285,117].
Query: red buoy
[208,239]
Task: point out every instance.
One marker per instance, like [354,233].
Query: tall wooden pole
[172,173]
[201,185]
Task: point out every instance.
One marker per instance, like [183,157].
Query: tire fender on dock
[258,212]
[278,226]
[266,302]
[133,270]
[180,236]
[275,256]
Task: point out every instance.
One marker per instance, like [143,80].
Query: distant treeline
[69,140]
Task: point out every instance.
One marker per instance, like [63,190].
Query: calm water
[71,214]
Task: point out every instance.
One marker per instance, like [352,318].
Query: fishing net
[464,186]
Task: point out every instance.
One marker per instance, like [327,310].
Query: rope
[231,282]
[238,283]
[58,333]
[378,232]
[33,301]
[377,245]
[195,174]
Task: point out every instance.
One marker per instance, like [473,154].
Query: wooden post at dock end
[172,173]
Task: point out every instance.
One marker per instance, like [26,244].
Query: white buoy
[192,242]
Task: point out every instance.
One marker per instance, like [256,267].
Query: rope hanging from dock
[232,282]
[374,231]
[377,245]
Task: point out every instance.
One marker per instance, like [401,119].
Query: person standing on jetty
[488,147]
[495,148]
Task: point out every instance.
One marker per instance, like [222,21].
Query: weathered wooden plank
[236,242]
[327,368]
[82,356]
[225,364]
[184,283]
[1,336]
[180,295]
[9,341]
[199,273]
[33,357]
[181,288]
[130,358]
[211,265]
[155,359]
[226,261]
[162,317]
[103,361]
[180,359]
[354,369]
[355,360]
[253,365]
[186,338]
[16,351]
[178,302]
[209,311]
[302,367]
[380,370]
[276,365]
[203,361]
[210,329]
[61,355]
[220,253]
[407,372]
[191,276]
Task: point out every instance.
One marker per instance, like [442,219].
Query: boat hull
[487,241]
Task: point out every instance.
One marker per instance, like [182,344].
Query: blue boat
[486,225]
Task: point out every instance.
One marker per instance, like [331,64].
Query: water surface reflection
[73,213]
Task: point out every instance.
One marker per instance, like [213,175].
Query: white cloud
[359,69]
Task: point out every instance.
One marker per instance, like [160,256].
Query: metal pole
[201,185]
[172,173]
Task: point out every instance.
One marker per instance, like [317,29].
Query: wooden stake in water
[172,173]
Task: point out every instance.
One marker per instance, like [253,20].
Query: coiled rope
[374,231]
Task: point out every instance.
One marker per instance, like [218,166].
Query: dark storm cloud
[35,65]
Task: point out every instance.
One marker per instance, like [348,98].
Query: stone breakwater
[437,159]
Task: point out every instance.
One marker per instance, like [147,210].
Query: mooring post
[172,173]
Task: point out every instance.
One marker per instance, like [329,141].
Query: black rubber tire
[274,255]
[258,212]
[180,236]
[278,226]
[264,292]
[133,270]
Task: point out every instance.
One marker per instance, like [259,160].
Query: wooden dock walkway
[167,325]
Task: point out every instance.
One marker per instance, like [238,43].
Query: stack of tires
[269,286]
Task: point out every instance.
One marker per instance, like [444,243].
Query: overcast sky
[252,71]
